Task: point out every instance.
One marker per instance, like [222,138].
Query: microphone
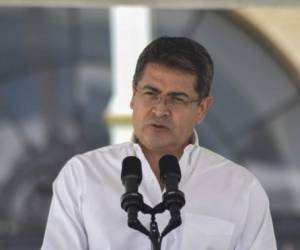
[131,176]
[169,172]
[173,198]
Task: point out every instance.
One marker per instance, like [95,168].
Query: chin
[157,142]
[161,146]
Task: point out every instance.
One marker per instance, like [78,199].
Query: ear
[132,99]
[131,103]
[203,108]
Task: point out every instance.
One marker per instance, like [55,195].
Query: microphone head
[131,167]
[168,165]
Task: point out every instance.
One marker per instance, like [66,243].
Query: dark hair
[180,53]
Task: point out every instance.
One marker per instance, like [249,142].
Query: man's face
[165,126]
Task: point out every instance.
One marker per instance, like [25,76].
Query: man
[226,207]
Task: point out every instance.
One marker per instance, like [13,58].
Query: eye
[151,94]
[147,92]
[178,100]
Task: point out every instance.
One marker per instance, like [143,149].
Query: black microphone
[173,198]
[131,176]
[169,172]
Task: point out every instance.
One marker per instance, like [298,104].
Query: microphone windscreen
[168,164]
[131,166]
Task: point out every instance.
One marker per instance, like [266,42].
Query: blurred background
[59,97]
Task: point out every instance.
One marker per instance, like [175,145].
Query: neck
[153,158]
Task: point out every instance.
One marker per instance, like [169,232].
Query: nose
[161,109]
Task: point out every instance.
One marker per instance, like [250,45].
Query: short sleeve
[258,233]
[65,227]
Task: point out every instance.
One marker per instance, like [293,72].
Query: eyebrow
[154,89]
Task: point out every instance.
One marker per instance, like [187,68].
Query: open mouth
[159,126]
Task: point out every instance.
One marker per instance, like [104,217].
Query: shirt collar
[187,152]
[194,140]
[185,161]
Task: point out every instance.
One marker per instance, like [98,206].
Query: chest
[205,225]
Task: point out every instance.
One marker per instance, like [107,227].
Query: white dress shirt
[226,207]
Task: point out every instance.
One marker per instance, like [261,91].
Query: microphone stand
[154,234]
[132,201]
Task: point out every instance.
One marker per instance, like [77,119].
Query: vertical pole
[130,33]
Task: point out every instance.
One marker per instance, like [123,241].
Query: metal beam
[204,4]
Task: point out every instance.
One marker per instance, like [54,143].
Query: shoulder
[223,170]
[223,176]
[107,153]
[108,158]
